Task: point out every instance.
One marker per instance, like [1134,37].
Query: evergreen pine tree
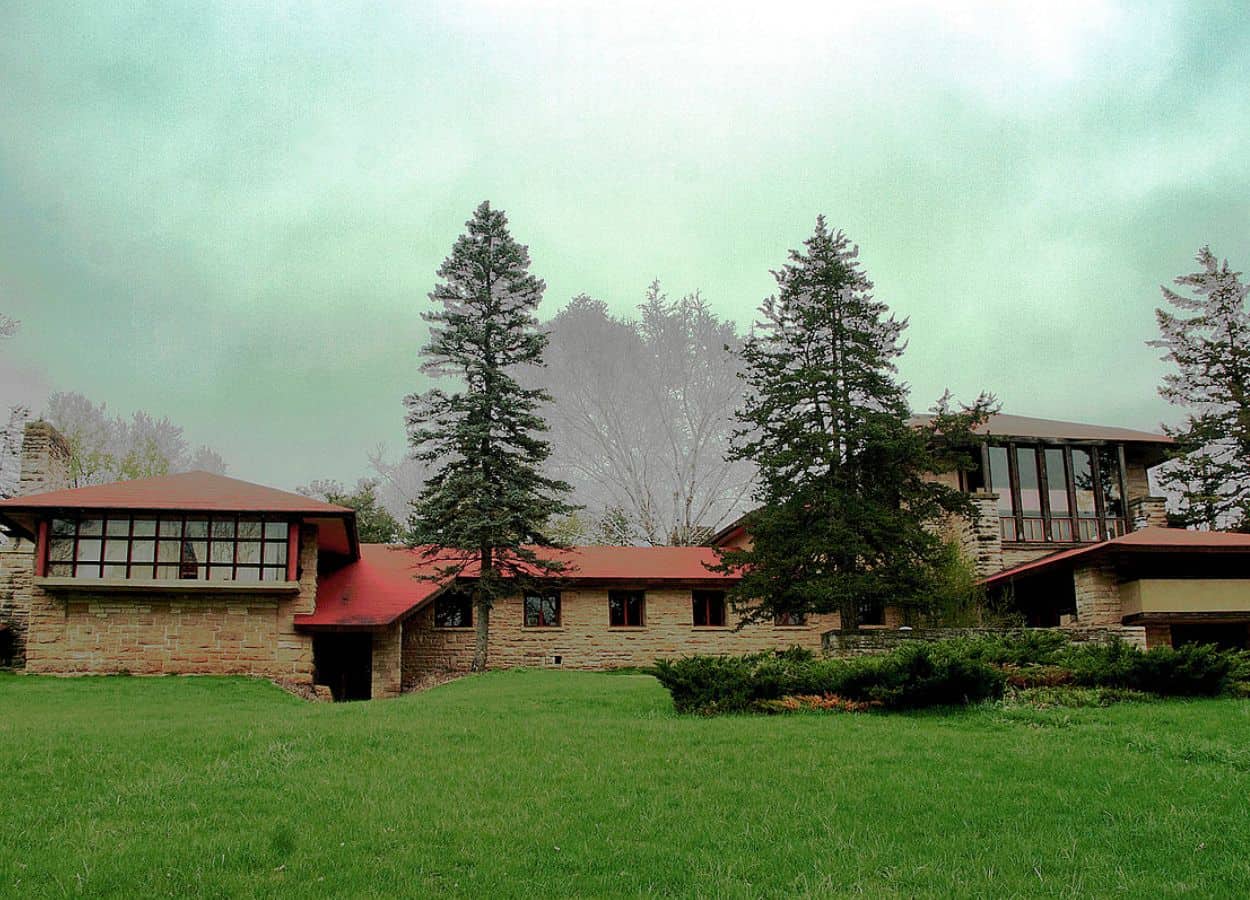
[484,510]
[846,498]
[1206,337]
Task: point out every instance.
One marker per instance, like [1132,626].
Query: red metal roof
[1145,540]
[380,587]
[201,491]
[387,582]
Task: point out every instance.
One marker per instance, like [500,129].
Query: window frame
[625,594]
[790,619]
[704,597]
[541,597]
[86,568]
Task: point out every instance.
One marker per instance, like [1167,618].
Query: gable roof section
[388,583]
[1145,540]
[193,492]
[198,491]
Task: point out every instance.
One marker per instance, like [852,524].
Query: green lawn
[554,783]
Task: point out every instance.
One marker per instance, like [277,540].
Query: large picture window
[1060,494]
[169,547]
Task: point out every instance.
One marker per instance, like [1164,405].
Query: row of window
[1060,494]
[169,547]
[626,609]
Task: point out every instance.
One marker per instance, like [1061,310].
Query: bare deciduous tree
[642,414]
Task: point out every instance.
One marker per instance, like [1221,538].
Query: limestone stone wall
[175,632]
[584,640]
[387,662]
[980,537]
[1148,511]
[1097,595]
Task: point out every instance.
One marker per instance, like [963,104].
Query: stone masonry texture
[584,640]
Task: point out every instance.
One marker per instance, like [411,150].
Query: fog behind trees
[641,419]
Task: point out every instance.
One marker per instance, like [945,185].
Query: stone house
[199,573]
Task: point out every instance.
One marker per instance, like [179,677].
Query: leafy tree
[847,501]
[484,509]
[373,523]
[111,448]
[1206,336]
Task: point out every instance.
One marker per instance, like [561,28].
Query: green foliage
[373,523]
[917,675]
[1194,670]
[1207,338]
[962,670]
[488,502]
[845,487]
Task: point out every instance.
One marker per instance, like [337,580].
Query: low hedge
[940,673]
[913,676]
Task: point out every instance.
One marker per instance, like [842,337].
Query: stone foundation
[1097,592]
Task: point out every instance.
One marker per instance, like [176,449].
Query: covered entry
[343,661]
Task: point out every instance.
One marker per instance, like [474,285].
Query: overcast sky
[232,215]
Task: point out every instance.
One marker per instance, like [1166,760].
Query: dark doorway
[1226,636]
[344,663]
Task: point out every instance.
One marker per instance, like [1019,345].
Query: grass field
[555,783]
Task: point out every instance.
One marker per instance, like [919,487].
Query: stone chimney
[45,467]
[45,460]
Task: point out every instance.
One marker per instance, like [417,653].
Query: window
[790,619]
[872,612]
[1031,522]
[167,546]
[1086,506]
[709,608]
[1000,484]
[1058,493]
[542,610]
[625,608]
[453,609]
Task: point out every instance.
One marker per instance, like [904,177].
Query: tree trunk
[481,636]
[481,610]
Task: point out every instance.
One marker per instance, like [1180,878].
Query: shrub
[1194,670]
[915,675]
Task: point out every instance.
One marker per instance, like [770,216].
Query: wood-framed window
[627,609]
[1059,493]
[542,610]
[453,609]
[708,608]
[168,546]
[790,619]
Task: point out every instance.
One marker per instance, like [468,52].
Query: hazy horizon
[231,217]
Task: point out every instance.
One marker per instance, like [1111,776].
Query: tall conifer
[845,492]
[1206,337]
[484,510]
